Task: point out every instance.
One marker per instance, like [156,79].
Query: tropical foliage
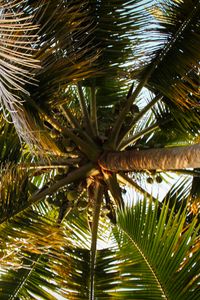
[96,96]
[151,258]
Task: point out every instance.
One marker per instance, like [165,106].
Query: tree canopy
[99,99]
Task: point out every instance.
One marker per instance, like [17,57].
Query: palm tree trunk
[152,159]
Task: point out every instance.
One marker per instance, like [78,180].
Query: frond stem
[113,185]
[89,150]
[75,124]
[85,170]
[72,176]
[84,109]
[98,197]
[52,165]
[128,181]
[25,278]
[164,296]
[93,111]
[135,137]
[138,116]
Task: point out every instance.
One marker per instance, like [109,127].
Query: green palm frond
[13,197]
[10,147]
[185,193]
[107,275]
[178,81]
[104,84]
[133,268]
[185,122]
[64,47]
[175,128]
[194,197]
[179,192]
[175,52]
[27,180]
[118,25]
[157,257]
[79,41]
[40,267]
[37,266]
[48,277]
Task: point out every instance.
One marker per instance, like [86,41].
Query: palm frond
[48,277]
[17,34]
[107,274]
[44,143]
[10,147]
[185,193]
[133,268]
[64,47]
[13,197]
[178,81]
[181,127]
[118,25]
[58,205]
[194,197]
[18,39]
[175,52]
[40,268]
[155,253]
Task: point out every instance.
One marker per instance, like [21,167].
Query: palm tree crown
[96,96]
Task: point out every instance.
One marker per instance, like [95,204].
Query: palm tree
[96,94]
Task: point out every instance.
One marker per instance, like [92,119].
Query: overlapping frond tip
[17,64]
